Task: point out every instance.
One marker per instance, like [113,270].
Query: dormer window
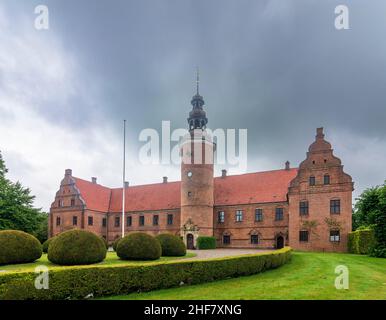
[312,181]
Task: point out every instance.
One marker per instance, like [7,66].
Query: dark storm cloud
[278,68]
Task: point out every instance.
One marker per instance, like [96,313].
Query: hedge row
[79,282]
[361,241]
[204,243]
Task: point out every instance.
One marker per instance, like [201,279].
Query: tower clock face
[190,173]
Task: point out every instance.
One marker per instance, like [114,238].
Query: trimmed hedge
[204,243]
[139,246]
[76,247]
[105,242]
[172,245]
[115,243]
[18,247]
[46,244]
[78,282]
[361,241]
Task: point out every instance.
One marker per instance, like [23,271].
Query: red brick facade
[308,208]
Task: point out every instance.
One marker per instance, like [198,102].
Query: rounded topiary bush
[171,245]
[105,242]
[18,247]
[76,247]
[139,246]
[46,244]
[115,243]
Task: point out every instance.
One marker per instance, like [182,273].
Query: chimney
[319,133]
[165,179]
[287,165]
[223,173]
[94,180]
[68,172]
[126,184]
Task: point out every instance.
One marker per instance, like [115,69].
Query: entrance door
[189,241]
[279,242]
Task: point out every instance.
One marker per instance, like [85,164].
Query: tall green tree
[370,211]
[366,208]
[16,207]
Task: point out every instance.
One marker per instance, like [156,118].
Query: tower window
[326,179]
[303,208]
[303,235]
[104,222]
[72,202]
[170,219]
[254,239]
[155,220]
[312,181]
[117,222]
[279,214]
[74,220]
[221,217]
[129,221]
[258,215]
[60,204]
[335,206]
[90,221]
[141,220]
[226,239]
[58,221]
[239,215]
[334,235]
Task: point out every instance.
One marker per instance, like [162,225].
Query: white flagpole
[124,178]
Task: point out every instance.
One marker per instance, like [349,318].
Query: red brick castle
[308,208]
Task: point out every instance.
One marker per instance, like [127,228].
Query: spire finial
[198,80]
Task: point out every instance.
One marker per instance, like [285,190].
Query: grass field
[111,259]
[307,276]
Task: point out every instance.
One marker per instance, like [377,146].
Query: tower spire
[197,117]
[198,81]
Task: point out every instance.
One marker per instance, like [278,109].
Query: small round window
[190,173]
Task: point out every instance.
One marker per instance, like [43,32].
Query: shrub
[18,247]
[46,244]
[204,243]
[172,246]
[78,282]
[361,241]
[139,246]
[115,243]
[76,247]
[105,242]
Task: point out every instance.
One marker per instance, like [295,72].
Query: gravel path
[219,253]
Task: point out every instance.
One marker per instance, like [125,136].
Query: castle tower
[197,196]
[320,197]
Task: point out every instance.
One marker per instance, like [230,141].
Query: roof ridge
[267,171]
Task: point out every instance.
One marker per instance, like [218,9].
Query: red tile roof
[97,197]
[147,197]
[259,187]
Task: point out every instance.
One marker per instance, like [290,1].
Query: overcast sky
[276,68]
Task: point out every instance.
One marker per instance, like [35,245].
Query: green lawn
[307,276]
[111,259]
